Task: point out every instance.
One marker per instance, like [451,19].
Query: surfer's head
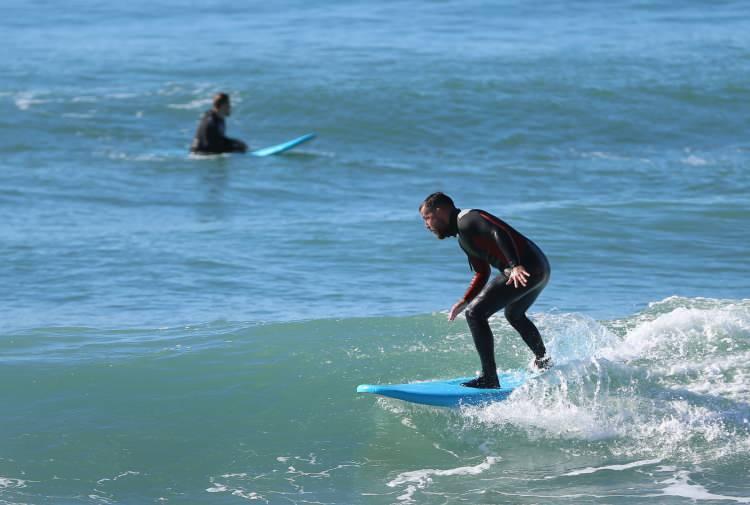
[222,105]
[437,213]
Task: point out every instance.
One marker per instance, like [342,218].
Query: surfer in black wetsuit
[209,137]
[490,242]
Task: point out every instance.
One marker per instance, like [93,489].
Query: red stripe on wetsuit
[513,240]
[481,276]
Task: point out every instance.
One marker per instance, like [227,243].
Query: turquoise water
[187,330]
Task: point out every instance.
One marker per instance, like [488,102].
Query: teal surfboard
[450,392]
[280,148]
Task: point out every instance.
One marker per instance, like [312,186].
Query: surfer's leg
[515,313]
[491,299]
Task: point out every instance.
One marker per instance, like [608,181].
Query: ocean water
[192,330]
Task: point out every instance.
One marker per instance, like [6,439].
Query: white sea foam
[674,385]
[681,486]
[720,376]
[236,491]
[248,495]
[84,99]
[406,421]
[574,337]
[421,479]
[149,157]
[437,446]
[194,104]
[559,405]
[100,499]
[695,161]
[25,100]
[602,156]
[616,468]
[118,477]
[10,483]
[681,332]
[77,115]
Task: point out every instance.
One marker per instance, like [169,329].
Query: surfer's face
[225,109]
[436,221]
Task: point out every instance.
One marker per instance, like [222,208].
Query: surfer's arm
[219,143]
[507,246]
[481,275]
[237,146]
[516,273]
[496,235]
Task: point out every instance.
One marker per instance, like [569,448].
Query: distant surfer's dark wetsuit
[489,241]
[210,139]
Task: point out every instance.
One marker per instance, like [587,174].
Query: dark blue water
[192,330]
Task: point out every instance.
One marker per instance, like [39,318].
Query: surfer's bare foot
[543,363]
[483,382]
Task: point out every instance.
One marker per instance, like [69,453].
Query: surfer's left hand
[518,275]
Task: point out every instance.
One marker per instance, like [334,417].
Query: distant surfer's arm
[221,144]
[481,276]
[238,146]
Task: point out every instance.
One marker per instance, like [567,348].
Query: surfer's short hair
[220,99]
[437,200]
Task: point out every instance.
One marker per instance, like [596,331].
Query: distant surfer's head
[436,211]
[222,105]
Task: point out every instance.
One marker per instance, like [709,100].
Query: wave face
[654,406]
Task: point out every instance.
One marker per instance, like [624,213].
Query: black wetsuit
[210,139]
[490,242]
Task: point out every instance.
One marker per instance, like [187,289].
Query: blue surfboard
[280,148]
[450,392]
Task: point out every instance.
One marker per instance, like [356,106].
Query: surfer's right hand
[457,308]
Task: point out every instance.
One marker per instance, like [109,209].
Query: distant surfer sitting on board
[209,138]
[489,241]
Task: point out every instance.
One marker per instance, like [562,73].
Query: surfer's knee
[515,316]
[473,313]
